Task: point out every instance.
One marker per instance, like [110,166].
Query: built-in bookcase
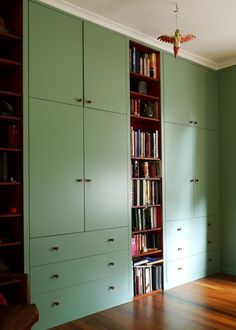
[11,152]
[146,169]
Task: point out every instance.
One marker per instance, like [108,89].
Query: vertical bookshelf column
[145,135]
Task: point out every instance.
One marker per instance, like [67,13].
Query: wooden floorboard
[208,303]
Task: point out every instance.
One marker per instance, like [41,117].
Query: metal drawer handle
[195,122]
[180,268]
[56,303]
[88,101]
[196,180]
[190,121]
[180,249]
[209,242]
[110,240]
[79,99]
[79,180]
[88,180]
[210,259]
[55,276]
[111,288]
[55,248]
[111,264]
[209,224]
[191,180]
[179,229]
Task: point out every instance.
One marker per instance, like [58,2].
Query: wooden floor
[208,303]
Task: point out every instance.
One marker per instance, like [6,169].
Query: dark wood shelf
[9,118]
[7,183]
[145,158]
[144,96]
[10,244]
[148,179]
[139,76]
[8,216]
[145,206]
[9,36]
[146,231]
[9,93]
[5,62]
[10,149]
[144,119]
[151,252]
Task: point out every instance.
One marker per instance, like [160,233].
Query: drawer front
[186,247]
[186,228]
[52,249]
[73,272]
[185,270]
[77,301]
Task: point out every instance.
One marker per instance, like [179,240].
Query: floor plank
[208,303]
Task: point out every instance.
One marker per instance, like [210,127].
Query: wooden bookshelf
[11,152]
[146,167]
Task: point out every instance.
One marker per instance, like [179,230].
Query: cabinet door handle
[191,180]
[196,180]
[179,229]
[110,240]
[56,303]
[180,268]
[111,264]
[79,99]
[55,248]
[195,122]
[88,180]
[79,180]
[190,121]
[209,224]
[209,259]
[55,276]
[111,288]
[180,249]
[88,101]
[209,242]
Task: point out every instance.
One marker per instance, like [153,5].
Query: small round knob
[111,288]
[88,101]
[179,229]
[111,264]
[196,180]
[56,303]
[79,180]
[88,180]
[191,180]
[180,268]
[110,240]
[55,248]
[190,121]
[209,242]
[55,276]
[195,122]
[210,259]
[79,100]
[179,249]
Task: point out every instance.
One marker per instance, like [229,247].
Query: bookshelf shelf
[145,131]
[11,150]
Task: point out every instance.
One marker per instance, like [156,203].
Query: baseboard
[229,271]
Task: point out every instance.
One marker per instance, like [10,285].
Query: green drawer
[72,246]
[77,301]
[67,273]
[213,262]
[182,229]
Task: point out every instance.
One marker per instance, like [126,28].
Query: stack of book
[143,63]
[144,243]
[144,144]
[143,219]
[147,275]
[145,192]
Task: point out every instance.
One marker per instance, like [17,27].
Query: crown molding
[133,34]
[227,64]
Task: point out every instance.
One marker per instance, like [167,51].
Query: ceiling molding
[92,17]
[227,64]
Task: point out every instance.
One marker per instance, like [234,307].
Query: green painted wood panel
[59,275]
[105,69]
[56,161]
[106,199]
[77,245]
[55,55]
[81,300]
[206,190]
[178,171]
[190,93]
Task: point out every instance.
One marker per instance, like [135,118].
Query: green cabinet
[56,162]
[191,172]
[75,62]
[190,93]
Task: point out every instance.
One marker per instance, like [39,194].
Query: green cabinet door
[56,162]
[179,171]
[55,55]
[180,94]
[105,69]
[206,173]
[106,165]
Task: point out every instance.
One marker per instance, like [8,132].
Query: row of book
[145,218]
[147,277]
[144,108]
[143,63]
[147,169]
[144,144]
[145,192]
[3,166]
[144,243]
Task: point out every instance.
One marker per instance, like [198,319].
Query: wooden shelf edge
[9,62]
[10,183]
[139,76]
[145,158]
[148,294]
[10,149]
[10,93]
[10,244]
[146,230]
[145,254]
[10,215]
[142,118]
[144,96]
[145,206]
[13,118]
[158,178]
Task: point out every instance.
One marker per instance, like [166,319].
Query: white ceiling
[212,21]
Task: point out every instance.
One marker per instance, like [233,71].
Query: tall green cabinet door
[56,166]
[180,93]
[105,69]
[206,173]
[106,170]
[179,171]
[55,55]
